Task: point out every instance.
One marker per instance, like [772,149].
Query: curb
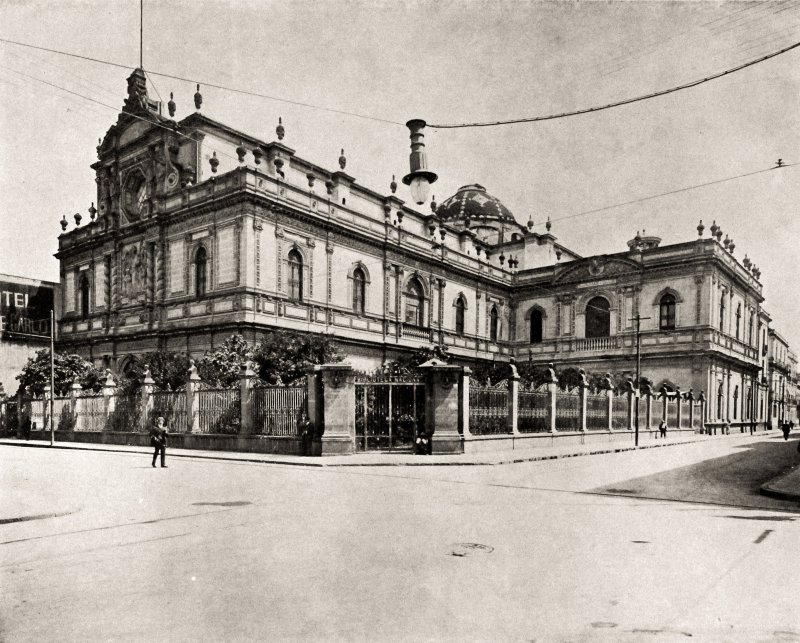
[420,461]
[770,491]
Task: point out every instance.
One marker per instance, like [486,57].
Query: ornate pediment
[597,267]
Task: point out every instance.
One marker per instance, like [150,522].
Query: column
[339,409]
[679,402]
[76,404]
[441,406]
[583,387]
[512,415]
[691,398]
[146,401]
[109,397]
[246,378]
[465,401]
[552,389]
[192,401]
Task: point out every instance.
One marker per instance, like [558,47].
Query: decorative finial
[719,234]
[732,246]
[329,185]
[311,177]
[502,258]
[92,212]
[342,160]
[240,152]
[214,162]
[257,154]
[280,130]
[393,185]
[727,242]
[779,163]
[700,228]
[442,233]
[638,237]
[713,228]
[78,218]
[746,261]
[278,165]
[433,204]
[548,225]
[530,223]
[64,222]
[171,106]
[558,255]
[198,98]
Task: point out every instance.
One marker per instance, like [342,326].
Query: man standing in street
[158,439]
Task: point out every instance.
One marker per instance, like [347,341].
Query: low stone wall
[481,444]
[285,445]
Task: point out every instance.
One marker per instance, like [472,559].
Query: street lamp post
[52,375]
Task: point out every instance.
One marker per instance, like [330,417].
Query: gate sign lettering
[25,311]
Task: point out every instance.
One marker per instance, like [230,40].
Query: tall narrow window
[84,297]
[750,331]
[667,312]
[200,263]
[722,311]
[359,291]
[415,303]
[738,319]
[460,307]
[735,401]
[598,317]
[720,398]
[536,327]
[295,275]
[493,322]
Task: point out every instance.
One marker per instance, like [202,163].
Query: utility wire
[679,190]
[618,103]
[207,84]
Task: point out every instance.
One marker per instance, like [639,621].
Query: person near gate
[158,440]
[662,428]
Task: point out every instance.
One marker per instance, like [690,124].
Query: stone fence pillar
[441,406]
[629,393]
[146,400]
[512,414]
[690,398]
[679,403]
[583,388]
[609,389]
[702,398]
[246,378]
[465,401]
[339,409]
[192,401]
[109,397]
[76,406]
[552,389]
[648,395]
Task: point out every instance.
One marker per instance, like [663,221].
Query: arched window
[415,303]
[750,331]
[667,312]
[536,327]
[359,290]
[720,398]
[295,275]
[84,297]
[200,263]
[598,317]
[493,319]
[722,312]
[460,307]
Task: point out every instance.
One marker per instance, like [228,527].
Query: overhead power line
[208,84]
[627,101]
[679,190]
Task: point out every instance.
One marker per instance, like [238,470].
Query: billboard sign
[25,311]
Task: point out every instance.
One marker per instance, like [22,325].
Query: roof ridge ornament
[198,98]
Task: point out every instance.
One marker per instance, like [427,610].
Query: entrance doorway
[389,412]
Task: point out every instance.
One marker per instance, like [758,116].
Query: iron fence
[127,410]
[277,409]
[171,405]
[596,412]
[568,411]
[532,410]
[218,410]
[91,415]
[488,410]
[390,410]
[619,412]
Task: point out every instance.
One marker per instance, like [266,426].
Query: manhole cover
[466,549]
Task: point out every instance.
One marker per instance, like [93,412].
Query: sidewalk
[382,459]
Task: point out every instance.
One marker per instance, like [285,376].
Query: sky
[454,61]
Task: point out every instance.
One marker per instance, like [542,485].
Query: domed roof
[473,201]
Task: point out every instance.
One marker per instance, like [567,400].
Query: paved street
[100,546]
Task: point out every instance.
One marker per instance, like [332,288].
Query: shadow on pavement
[733,479]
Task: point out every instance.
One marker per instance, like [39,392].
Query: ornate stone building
[201,231]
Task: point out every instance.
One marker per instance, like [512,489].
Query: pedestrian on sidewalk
[158,440]
[662,429]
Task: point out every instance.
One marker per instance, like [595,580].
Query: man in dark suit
[158,439]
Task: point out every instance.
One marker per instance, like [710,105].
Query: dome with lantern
[474,208]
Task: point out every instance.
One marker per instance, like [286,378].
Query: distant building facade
[201,231]
[25,306]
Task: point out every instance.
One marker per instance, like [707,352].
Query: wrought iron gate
[390,411]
